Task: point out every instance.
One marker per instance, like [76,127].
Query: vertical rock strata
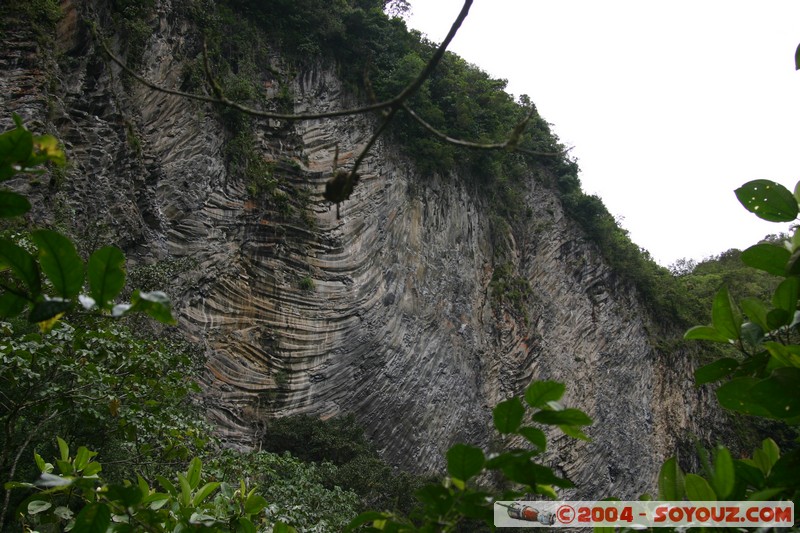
[387,312]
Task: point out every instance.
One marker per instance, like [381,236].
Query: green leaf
[779,393]
[771,451]
[13,204]
[60,262]
[547,491]
[126,496]
[535,436]
[47,150]
[245,525]
[768,200]
[167,485]
[94,518]
[756,311]
[784,470]
[63,448]
[185,497]
[724,473]
[38,506]
[705,333]
[193,473]
[254,504]
[698,489]
[714,371]
[539,393]
[725,315]
[747,471]
[767,257]
[464,461]
[155,304]
[204,492]
[16,146]
[671,483]
[11,305]
[22,264]
[92,468]
[574,432]
[567,417]
[106,275]
[736,396]
[785,296]
[508,415]
[39,461]
[782,355]
[778,318]
[82,457]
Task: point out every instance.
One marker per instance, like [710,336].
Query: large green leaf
[767,257]
[254,504]
[756,311]
[785,296]
[784,471]
[204,492]
[567,417]
[13,204]
[106,275]
[724,478]
[60,262]
[508,415]
[779,393]
[705,333]
[768,200]
[464,461]
[94,518]
[714,371]
[16,146]
[670,481]
[535,436]
[22,264]
[539,393]
[783,355]
[193,472]
[725,315]
[11,304]
[698,489]
[736,395]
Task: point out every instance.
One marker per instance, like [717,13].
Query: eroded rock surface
[387,312]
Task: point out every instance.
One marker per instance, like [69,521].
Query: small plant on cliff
[306,283]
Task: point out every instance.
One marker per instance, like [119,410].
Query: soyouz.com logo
[644,514]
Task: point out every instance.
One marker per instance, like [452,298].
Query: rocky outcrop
[387,312]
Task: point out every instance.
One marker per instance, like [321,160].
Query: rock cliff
[388,312]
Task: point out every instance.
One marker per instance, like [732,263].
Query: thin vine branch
[509,144]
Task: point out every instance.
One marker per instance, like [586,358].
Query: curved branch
[508,144]
[220,98]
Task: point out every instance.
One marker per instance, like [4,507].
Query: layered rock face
[388,312]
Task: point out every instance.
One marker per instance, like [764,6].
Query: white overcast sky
[670,105]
